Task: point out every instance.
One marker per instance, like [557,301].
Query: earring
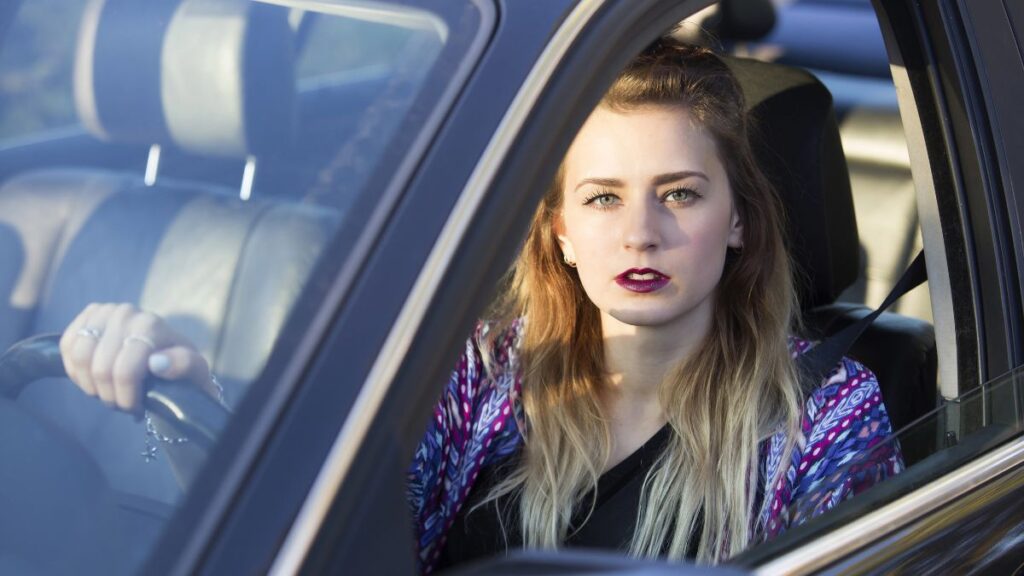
[568,262]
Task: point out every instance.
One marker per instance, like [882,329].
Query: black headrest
[796,141]
[209,76]
[742,20]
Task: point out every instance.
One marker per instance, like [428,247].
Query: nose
[640,230]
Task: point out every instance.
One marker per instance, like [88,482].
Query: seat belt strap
[817,362]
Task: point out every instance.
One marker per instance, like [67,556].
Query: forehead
[638,143]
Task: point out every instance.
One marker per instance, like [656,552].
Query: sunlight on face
[647,215]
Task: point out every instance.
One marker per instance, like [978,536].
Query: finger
[181,363]
[145,333]
[82,351]
[68,336]
[107,350]
[67,343]
[129,371]
[148,324]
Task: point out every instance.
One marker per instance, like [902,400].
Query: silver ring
[142,339]
[90,332]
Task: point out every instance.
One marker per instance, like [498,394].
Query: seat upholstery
[191,80]
[222,271]
[797,141]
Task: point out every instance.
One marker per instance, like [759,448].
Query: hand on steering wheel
[108,350]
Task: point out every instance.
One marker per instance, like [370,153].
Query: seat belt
[817,362]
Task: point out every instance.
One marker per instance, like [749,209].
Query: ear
[735,239]
[558,227]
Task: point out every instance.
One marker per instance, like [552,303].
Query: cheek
[715,227]
[700,259]
[585,235]
[710,240]
[593,248]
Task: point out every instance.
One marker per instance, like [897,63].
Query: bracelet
[149,452]
[219,388]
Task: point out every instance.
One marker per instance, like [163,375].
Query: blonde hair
[737,388]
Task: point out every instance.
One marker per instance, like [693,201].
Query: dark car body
[310,475]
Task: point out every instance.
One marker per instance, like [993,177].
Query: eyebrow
[658,180]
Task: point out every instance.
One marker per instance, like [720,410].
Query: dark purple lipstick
[642,280]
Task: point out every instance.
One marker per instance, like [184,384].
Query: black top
[477,534]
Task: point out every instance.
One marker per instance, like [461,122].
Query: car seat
[796,139]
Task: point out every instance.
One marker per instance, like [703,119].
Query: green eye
[681,195]
[602,200]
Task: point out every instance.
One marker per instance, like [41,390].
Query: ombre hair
[738,387]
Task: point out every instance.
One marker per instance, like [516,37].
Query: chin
[643,318]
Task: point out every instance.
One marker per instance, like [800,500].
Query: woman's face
[647,215]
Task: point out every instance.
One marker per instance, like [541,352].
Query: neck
[638,358]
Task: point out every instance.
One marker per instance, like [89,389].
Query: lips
[642,280]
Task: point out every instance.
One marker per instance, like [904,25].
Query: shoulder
[843,416]
[498,343]
[797,346]
[490,351]
[848,393]
[845,443]
[485,373]
[848,389]
[476,418]
[473,422]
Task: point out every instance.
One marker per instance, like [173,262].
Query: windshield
[186,162]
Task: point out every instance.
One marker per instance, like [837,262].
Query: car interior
[224,271]
[830,138]
[202,189]
[205,189]
[799,145]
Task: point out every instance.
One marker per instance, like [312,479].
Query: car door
[319,488]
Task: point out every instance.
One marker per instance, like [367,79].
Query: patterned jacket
[842,449]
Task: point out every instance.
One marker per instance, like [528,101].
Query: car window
[208,153]
[900,347]
[932,441]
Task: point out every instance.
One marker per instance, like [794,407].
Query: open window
[830,136]
[926,359]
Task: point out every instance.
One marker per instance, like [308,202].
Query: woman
[636,387]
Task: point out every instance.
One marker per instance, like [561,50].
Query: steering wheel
[179,409]
[60,513]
